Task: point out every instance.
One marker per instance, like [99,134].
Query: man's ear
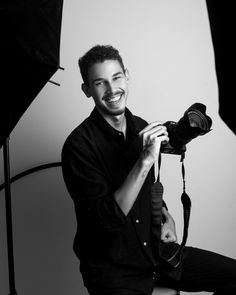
[127,74]
[85,89]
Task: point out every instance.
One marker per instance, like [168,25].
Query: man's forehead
[105,68]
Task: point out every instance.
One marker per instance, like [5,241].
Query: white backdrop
[166,45]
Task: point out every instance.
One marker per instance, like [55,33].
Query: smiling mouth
[113,98]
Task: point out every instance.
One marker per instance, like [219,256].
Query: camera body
[194,122]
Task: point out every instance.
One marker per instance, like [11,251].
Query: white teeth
[115,98]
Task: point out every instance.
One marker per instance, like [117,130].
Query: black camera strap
[175,259]
[157,193]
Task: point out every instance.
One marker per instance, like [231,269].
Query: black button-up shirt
[114,249]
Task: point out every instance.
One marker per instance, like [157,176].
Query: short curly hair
[98,53]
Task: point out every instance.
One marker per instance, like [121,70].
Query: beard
[113,108]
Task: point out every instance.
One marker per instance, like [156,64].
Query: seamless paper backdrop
[166,45]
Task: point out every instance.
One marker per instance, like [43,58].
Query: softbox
[29,52]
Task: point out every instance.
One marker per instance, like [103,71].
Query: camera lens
[194,122]
[196,119]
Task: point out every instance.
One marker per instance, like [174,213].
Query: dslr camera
[194,122]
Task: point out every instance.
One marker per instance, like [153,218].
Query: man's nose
[110,87]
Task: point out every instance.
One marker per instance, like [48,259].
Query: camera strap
[175,259]
[157,192]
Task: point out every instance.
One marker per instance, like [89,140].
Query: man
[108,169]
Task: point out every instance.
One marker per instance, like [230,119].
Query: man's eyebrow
[102,79]
[118,73]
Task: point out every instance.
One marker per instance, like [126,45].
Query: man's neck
[117,122]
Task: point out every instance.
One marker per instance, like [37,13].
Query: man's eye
[117,78]
[100,83]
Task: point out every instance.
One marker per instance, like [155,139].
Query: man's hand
[168,232]
[152,136]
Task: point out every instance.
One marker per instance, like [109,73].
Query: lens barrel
[194,122]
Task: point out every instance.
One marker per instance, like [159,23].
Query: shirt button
[144,243]
[154,275]
[137,220]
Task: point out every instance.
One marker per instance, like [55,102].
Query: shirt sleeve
[89,188]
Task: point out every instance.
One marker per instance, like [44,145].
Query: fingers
[168,237]
[150,126]
[152,132]
[168,232]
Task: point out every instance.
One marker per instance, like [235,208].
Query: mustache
[112,94]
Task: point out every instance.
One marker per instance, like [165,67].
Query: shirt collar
[131,129]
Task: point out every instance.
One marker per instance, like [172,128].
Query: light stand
[11,270]
[30,43]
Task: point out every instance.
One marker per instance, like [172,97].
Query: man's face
[108,85]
